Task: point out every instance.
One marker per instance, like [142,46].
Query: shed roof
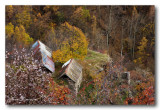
[73,70]
[46,54]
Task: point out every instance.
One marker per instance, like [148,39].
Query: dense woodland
[105,40]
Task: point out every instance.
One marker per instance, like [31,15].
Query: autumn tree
[51,39]
[74,45]
[94,25]
[145,51]
[149,31]
[80,17]
[21,36]
[40,26]
[142,55]
[9,13]
[109,27]
[95,35]
[9,30]
[24,17]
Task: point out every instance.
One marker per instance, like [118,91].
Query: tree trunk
[122,40]
[135,30]
[109,27]
[130,36]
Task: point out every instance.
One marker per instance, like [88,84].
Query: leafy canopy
[23,18]
[21,36]
[74,46]
[9,30]
[142,51]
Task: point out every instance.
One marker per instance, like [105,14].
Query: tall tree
[24,17]
[80,17]
[9,13]
[122,38]
[9,30]
[141,53]
[74,46]
[109,27]
[21,36]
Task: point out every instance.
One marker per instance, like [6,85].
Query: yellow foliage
[23,18]
[146,45]
[142,51]
[61,56]
[148,29]
[21,36]
[55,8]
[52,24]
[134,11]
[9,10]
[75,46]
[39,15]
[51,8]
[9,30]
[142,46]
[135,61]
[94,25]
[81,15]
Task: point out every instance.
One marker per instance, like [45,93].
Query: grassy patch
[96,56]
[93,63]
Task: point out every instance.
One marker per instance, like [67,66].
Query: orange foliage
[55,94]
[146,97]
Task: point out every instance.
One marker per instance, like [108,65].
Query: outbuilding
[73,70]
[43,53]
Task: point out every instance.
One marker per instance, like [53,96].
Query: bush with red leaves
[146,97]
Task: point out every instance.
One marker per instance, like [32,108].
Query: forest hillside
[106,41]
